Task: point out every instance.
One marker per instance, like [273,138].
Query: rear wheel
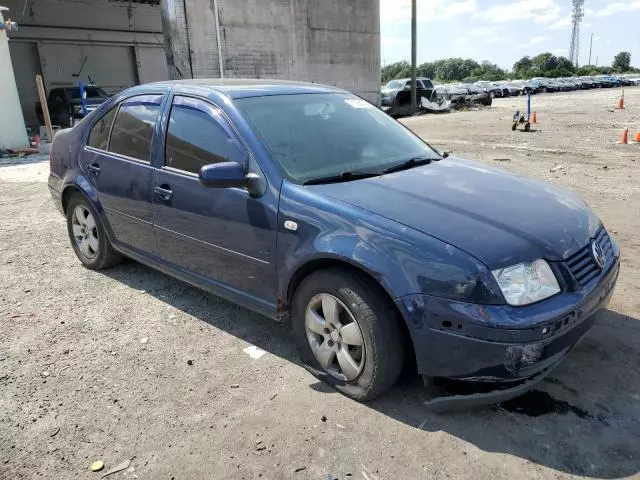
[87,234]
[347,333]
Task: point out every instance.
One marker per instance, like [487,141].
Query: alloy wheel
[85,231]
[334,337]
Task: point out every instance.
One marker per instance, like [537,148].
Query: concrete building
[121,42]
[336,42]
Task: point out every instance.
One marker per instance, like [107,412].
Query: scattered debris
[273,396]
[300,469]
[556,168]
[501,159]
[340,426]
[97,466]
[113,353]
[260,446]
[144,340]
[234,385]
[66,351]
[118,468]
[189,362]
[254,352]
[142,292]
[323,418]
[45,374]
[55,432]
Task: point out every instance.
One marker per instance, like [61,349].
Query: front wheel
[347,333]
[88,236]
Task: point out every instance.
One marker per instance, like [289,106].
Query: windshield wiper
[340,177]
[412,162]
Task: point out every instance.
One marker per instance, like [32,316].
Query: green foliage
[542,65]
[622,62]
[447,70]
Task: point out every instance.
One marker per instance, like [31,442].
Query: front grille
[583,266]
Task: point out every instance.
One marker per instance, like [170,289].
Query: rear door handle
[164,193]
[94,169]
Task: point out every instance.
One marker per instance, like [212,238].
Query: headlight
[526,283]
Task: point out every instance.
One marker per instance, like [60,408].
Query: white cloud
[535,40]
[562,24]
[561,51]
[461,40]
[392,11]
[541,11]
[618,7]
[587,25]
[393,41]
[608,41]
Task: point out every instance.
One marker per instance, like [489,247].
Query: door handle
[94,169]
[164,193]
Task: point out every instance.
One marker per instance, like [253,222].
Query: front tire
[88,236]
[347,333]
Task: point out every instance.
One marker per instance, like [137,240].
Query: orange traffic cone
[636,137]
[534,118]
[624,137]
[620,103]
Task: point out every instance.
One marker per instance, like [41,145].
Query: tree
[622,62]
[522,67]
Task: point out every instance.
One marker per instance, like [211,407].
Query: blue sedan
[309,205]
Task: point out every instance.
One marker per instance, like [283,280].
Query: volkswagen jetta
[308,204]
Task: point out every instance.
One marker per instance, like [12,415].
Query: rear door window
[132,131]
[99,134]
[198,135]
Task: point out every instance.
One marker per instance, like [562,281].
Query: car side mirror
[223,175]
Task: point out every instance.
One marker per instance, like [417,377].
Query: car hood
[498,217]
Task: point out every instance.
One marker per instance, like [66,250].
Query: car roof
[250,87]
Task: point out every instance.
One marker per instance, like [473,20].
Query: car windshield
[319,135]
[92,92]
[394,85]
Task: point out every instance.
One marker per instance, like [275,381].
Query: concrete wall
[122,43]
[335,42]
[12,131]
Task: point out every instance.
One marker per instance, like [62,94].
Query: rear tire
[88,236]
[353,299]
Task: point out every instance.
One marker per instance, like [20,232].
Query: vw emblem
[598,254]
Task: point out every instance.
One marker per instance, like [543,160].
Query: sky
[503,31]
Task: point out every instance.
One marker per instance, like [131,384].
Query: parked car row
[396,94]
[550,85]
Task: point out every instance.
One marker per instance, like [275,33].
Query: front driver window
[198,135]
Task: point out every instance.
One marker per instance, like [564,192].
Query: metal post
[83,97]
[590,48]
[217,18]
[414,54]
[528,107]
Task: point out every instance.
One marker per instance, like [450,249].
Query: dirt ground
[79,382]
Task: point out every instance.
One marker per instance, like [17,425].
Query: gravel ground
[130,364]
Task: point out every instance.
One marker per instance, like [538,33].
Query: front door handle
[94,169]
[164,192]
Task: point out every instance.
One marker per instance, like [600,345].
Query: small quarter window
[99,134]
[133,128]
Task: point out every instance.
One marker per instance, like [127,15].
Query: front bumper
[457,340]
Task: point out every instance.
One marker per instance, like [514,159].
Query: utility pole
[414,54]
[590,48]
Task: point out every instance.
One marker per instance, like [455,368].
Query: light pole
[414,55]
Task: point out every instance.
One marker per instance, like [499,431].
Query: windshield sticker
[358,103]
